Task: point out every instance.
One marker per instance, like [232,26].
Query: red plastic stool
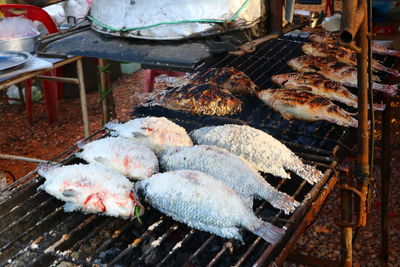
[150,74]
[51,90]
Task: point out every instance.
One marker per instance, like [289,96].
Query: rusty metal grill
[36,231]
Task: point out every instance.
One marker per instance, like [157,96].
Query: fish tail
[389,70]
[112,125]
[42,169]
[267,231]
[394,53]
[81,144]
[278,199]
[390,89]
[309,173]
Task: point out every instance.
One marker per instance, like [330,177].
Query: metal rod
[103,87]
[353,16]
[58,79]
[346,215]
[385,181]
[6,156]
[82,93]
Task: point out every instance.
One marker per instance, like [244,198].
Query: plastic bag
[16,28]
[13,92]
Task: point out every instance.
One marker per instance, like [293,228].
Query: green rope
[103,92]
[173,22]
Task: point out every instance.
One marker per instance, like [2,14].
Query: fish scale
[231,169]
[261,150]
[204,203]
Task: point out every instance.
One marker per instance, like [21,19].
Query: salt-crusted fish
[123,155]
[336,71]
[342,54]
[297,104]
[261,150]
[158,133]
[231,169]
[317,84]
[200,99]
[91,188]
[204,203]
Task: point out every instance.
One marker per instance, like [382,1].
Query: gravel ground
[322,239]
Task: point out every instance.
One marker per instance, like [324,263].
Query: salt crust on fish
[158,133]
[204,203]
[231,169]
[123,155]
[91,188]
[261,150]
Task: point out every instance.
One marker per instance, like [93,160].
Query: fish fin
[102,160]
[267,231]
[248,201]
[112,125]
[81,144]
[69,206]
[45,168]
[79,155]
[68,192]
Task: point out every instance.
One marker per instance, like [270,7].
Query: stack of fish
[217,179]
[322,75]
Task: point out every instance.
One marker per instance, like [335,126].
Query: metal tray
[12,59]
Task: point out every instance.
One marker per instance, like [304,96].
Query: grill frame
[62,241]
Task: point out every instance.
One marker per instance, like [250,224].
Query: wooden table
[38,74]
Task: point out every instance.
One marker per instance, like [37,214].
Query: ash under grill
[36,231]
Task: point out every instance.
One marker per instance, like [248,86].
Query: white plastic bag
[16,28]
[13,92]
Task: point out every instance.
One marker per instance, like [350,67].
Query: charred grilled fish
[157,133]
[342,54]
[327,37]
[297,104]
[201,99]
[91,188]
[229,78]
[204,203]
[261,150]
[317,84]
[233,170]
[123,155]
[336,71]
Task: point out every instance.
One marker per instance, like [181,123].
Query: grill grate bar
[199,250]
[138,240]
[177,246]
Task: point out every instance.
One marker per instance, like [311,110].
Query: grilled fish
[157,133]
[336,71]
[91,188]
[229,78]
[233,170]
[342,54]
[201,99]
[317,84]
[297,104]
[261,150]
[204,203]
[327,37]
[123,155]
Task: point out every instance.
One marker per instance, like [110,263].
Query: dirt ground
[43,141]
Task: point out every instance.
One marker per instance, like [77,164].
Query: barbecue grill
[37,231]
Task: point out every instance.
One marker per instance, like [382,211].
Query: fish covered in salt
[123,155]
[158,133]
[261,150]
[91,188]
[204,203]
[231,169]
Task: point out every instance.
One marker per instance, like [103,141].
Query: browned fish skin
[202,99]
[317,84]
[337,71]
[297,104]
[341,54]
[229,78]
[332,38]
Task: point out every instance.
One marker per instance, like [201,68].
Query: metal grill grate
[36,231]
